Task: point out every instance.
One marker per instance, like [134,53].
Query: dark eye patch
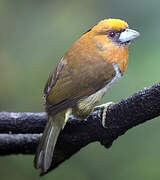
[114,35]
[111,34]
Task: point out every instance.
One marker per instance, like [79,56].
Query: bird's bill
[128,35]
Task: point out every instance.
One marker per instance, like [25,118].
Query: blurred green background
[34,35]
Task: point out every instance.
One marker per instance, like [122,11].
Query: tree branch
[20,132]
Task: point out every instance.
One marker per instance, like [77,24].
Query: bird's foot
[103,108]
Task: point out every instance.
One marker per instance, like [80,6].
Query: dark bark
[20,132]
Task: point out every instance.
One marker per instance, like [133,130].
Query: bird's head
[111,38]
[116,30]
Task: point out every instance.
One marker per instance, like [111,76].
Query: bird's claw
[103,110]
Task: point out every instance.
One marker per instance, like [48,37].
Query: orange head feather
[110,24]
[105,38]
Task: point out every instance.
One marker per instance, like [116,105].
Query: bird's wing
[68,83]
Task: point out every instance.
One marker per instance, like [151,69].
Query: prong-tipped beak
[128,35]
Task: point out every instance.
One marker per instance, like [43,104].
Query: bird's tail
[44,154]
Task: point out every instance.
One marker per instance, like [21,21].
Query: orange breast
[113,53]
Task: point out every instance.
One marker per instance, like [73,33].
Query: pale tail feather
[43,158]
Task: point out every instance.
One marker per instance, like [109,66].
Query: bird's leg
[68,112]
[103,108]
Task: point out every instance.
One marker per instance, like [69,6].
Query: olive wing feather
[67,84]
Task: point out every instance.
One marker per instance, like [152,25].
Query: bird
[80,80]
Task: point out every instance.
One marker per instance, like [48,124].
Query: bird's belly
[86,106]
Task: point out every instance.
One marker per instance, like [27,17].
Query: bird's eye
[111,34]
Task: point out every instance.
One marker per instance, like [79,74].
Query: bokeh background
[33,37]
